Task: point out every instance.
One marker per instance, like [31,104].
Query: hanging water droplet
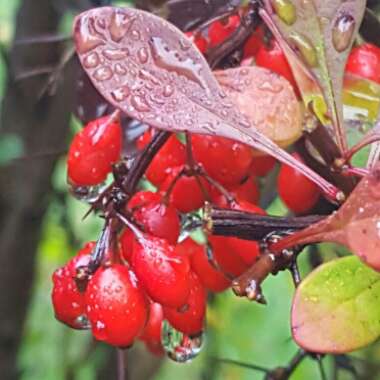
[180,347]
[82,323]
[305,47]
[142,55]
[116,54]
[87,194]
[270,87]
[91,61]
[285,10]
[120,93]
[342,32]
[103,73]
[139,103]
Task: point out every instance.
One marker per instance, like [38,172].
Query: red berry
[211,278]
[274,59]
[157,218]
[151,334]
[252,46]
[126,244]
[173,153]
[229,262]
[200,42]
[93,151]
[219,31]
[163,273]
[225,160]
[296,191]
[186,195]
[364,61]
[116,306]
[190,320]
[262,165]
[68,302]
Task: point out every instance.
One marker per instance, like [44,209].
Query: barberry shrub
[225,103]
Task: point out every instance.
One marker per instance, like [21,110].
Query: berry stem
[121,365]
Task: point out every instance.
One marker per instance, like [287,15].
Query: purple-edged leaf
[336,309]
[276,112]
[356,224]
[149,69]
[322,33]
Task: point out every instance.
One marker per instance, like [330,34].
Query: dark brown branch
[251,226]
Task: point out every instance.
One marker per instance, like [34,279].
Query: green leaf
[336,309]
[322,33]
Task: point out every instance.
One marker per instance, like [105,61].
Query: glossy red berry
[364,61]
[186,195]
[151,334]
[229,262]
[252,45]
[157,218]
[68,301]
[190,320]
[274,59]
[200,42]
[126,244]
[173,153]
[164,274]
[93,151]
[225,160]
[211,278]
[116,306]
[297,192]
[262,165]
[219,31]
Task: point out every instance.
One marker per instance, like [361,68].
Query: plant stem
[121,364]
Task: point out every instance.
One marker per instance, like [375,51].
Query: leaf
[336,309]
[322,32]
[355,225]
[150,70]
[276,112]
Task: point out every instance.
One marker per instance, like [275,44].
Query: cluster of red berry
[153,272]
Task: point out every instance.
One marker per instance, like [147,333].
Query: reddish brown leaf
[356,224]
[150,70]
[276,112]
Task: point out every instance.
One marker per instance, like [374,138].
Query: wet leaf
[276,111]
[336,309]
[150,70]
[322,33]
[355,225]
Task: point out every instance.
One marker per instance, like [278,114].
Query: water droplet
[285,10]
[135,34]
[119,25]
[144,74]
[180,347]
[116,54]
[169,59]
[343,31]
[244,123]
[168,90]
[91,61]
[120,93]
[305,47]
[87,194]
[82,323]
[143,55]
[120,69]
[139,103]
[103,73]
[87,40]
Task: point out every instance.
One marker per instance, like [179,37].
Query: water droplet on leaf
[343,31]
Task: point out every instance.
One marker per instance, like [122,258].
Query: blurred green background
[237,329]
